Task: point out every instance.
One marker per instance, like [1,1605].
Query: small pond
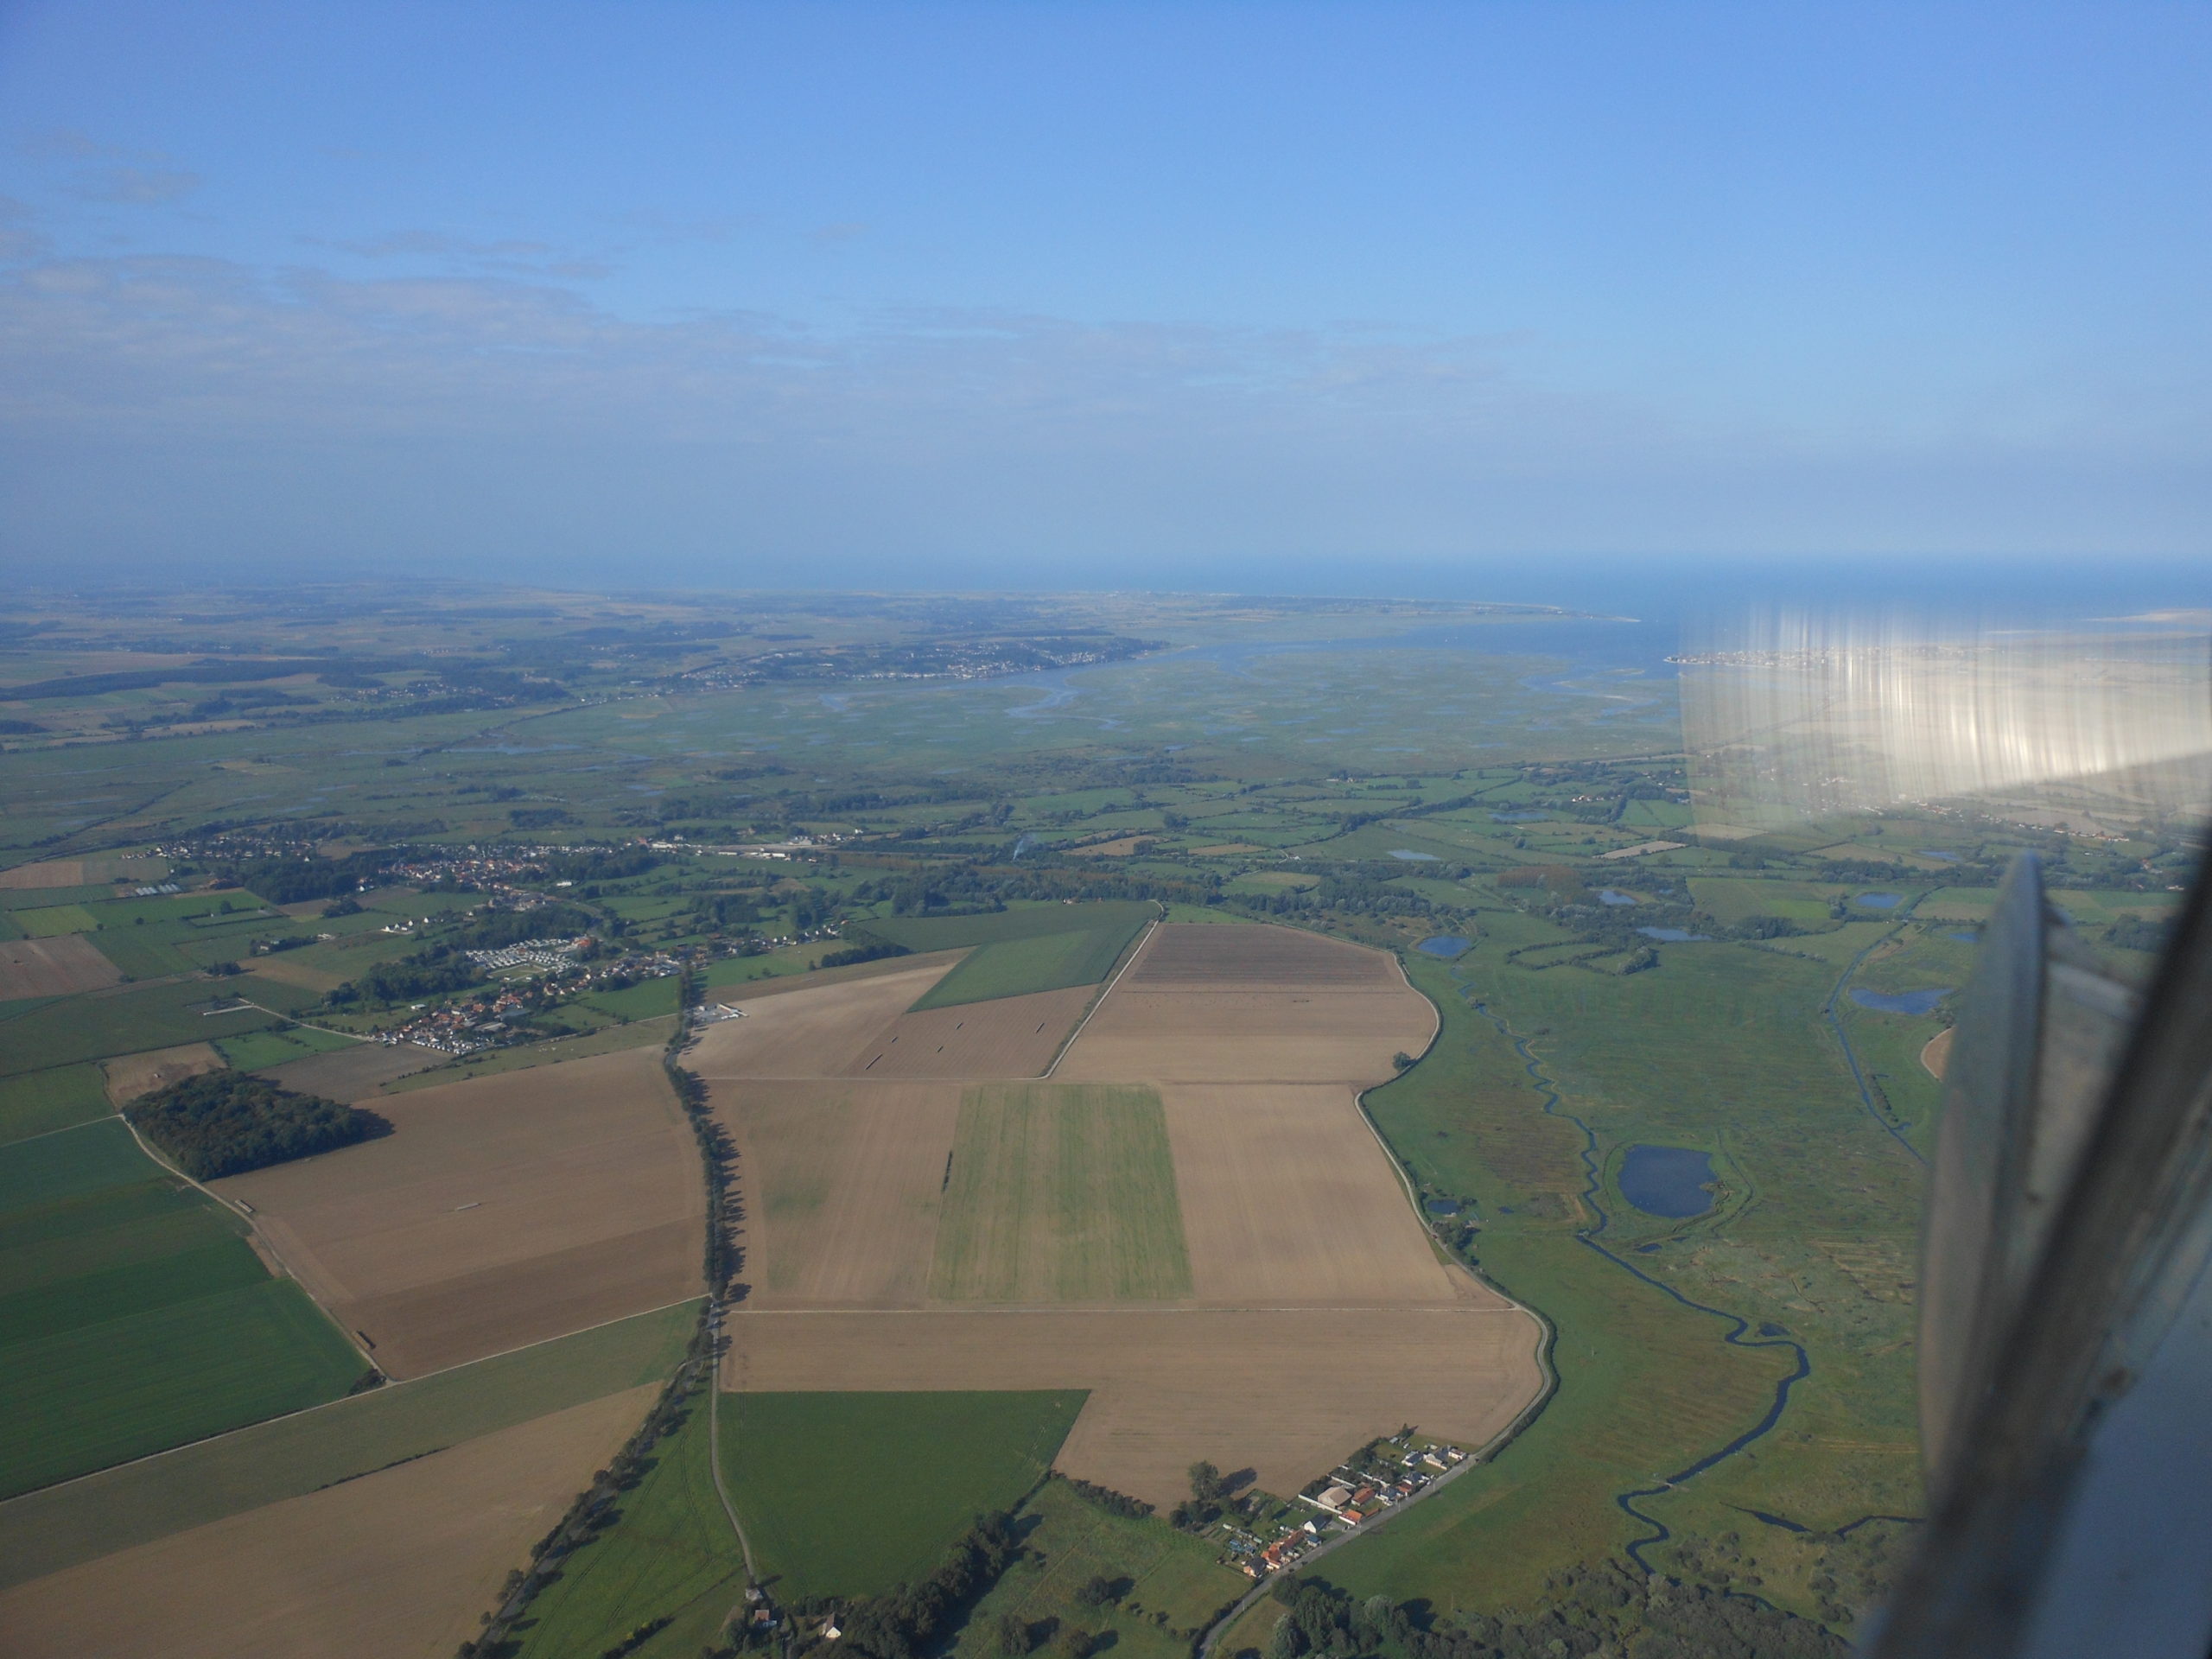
[1441,1206]
[1671,1181]
[1614,896]
[1444,944]
[1519,817]
[1899,1001]
[1879,901]
[1931,852]
[1673,935]
[1413,858]
[1963,937]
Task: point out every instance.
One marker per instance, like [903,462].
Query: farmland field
[397,1564]
[125,1021]
[847,1493]
[55,967]
[1048,961]
[1171,1385]
[65,1526]
[498,1213]
[1012,1037]
[134,1316]
[1060,1192]
[38,1102]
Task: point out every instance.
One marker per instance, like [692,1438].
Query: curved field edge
[1644,1385]
[139,1502]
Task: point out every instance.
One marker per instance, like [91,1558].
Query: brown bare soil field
[1236,958]
[352,1074]
[1012,1037]
[141,1074]
[1205,1004]
[396,1565]
[282,970]
[60,966]
[815,978]
[814,1031]
[501,1212]
[1287,1199]
[1285,1393]
[1938,1054]
[842,1183]
[52,872]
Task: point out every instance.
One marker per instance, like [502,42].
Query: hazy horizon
[1278,299]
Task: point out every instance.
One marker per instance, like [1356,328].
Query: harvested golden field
[841,1183]
[134,1075]
[1285,1393]
[499,1212]
[1937,1053]
[352,1074]
[1287,1199]
[395,1565]
[1206,1004]
[1010,1037]
[815,1031]
[60,966]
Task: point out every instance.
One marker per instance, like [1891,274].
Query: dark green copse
[227,1122]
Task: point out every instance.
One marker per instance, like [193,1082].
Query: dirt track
[500,1211]
[396,1565]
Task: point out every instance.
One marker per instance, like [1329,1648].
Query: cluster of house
[555,953]
[463,1028]
[1348,1499]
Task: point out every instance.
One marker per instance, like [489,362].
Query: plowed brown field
[396,1565]
[1212,1004]
[1285,1393]
[60,966]
[352,1074]
[51,872]
[501,1212]
[1012,1037]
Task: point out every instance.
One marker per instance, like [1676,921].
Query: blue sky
[1101,293]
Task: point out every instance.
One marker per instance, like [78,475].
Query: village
[1382,1476]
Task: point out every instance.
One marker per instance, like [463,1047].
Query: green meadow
[134,1316]
[850,1493]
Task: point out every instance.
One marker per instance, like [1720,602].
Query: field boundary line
[1134,1310]
[1137,950]
[327,1031]
[714,1446]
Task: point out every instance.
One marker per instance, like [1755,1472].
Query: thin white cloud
[136,187]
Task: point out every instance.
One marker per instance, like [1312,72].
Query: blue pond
[1879,901]
[1612,896]
[1441,1206]
[1673,935]
[1899,1001]
[1965,938]
[1668,1181]
[1931,852]
[1413,858]
[1518,817]
[1443,944]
